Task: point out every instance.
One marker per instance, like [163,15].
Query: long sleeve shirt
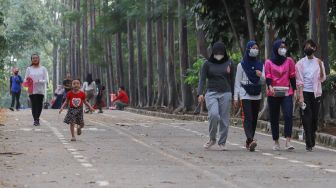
[241,78]
[122,96]
[40,78]
[220,77]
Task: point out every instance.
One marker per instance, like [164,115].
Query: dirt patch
[2,116]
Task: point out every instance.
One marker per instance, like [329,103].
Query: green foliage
[236,57]
[329,84]
[193,72]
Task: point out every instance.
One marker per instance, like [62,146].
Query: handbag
[252,89]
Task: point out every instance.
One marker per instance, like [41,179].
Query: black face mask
[309,51]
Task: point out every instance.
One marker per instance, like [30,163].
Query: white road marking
[78,156]
[281,158]
[87,165]
[295,161]
[268,154]
[330,170]
[312,166]
[103,183]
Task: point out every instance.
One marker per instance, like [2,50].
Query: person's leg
[72,131]
[274,110]
[224,108]
[315,116]
[39,103]
[287,111]
[255,106]
[247,120]
[307,119]
[33,107]
[13,101]
[213,114]
[18,100]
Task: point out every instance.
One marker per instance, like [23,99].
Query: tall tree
[119,60]
[160,60]
[172,88]
[187,98]
[149,53]
[131,74]
[140,73]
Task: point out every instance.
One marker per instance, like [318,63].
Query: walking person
[58,97]
[37,75]
[90,89]
[218,70]
[249,77]
[66,85]
[75,99]
[15,85]
[100,96]
[281,86]
[310,74]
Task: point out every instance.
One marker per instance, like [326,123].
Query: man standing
[15,88]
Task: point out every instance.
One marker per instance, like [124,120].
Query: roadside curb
[263,126]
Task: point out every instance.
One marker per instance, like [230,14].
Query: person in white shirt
[90,89]
[39,76]
[249,77]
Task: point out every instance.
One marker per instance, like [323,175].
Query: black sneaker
[37,123]
[309,149]
[12,109]
[252,146]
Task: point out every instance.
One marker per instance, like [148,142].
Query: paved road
[121,149]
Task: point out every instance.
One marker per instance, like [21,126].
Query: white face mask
[219,57]
[254,52]
[282,51]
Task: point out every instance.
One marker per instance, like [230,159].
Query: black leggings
[37,105]
[250,117]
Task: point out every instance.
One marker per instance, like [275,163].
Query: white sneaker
[276,147]
[209,144]
[222,147]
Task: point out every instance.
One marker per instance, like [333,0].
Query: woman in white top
[39,76]
[250,74]
[310,74]
[90,89]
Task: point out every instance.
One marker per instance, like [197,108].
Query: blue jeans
[219,105]
[286,104]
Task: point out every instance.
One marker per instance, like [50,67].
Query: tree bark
[85,51]
[141,101]
[249,18]
[324,34]
[160,61]
[149,54]
[312,20]
[235,34]
[187,98]
[201,41]
[172,88]
[131,75]
[120,72]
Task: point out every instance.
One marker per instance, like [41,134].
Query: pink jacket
[280,75]
[317,82]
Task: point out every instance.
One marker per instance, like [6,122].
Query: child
[75,98]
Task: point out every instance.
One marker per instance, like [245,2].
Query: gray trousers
[219,106]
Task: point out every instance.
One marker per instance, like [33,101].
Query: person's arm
[202,79]
[322,71]
[63,105]
[27,74]
[262,78]
[88,105]
[292,74]
[232,77]
[238,79]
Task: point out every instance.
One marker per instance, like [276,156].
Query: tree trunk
[324,34]
[249,18]
[172,88]
[149,54]
[131,75]
[140,65]
[160,61]
[111,82]
[187,98]
[312,20]
[85,51]
[201,41]
[120,72]
[235,34]
[79,63]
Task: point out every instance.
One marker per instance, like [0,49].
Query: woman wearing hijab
[38,75]
[310,74]
[249,76]
[281,86]
[218,70]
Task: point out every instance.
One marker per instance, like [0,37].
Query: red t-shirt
[76,99]
[122,96]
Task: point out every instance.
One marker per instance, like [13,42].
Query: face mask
[309,51]
[218,57]
[282,51]
[253,52]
